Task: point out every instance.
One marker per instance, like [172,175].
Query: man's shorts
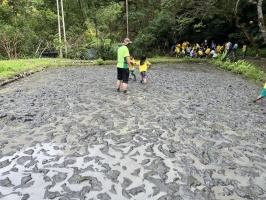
[263,92]
[123,74]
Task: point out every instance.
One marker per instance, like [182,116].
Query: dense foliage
[94,28]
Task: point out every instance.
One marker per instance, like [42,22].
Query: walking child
[131,67]
[143,67]
[262,93]
[244,50]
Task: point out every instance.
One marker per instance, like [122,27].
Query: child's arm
[135,62]
[149,64]
[132,61]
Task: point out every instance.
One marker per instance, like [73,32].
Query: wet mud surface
[191,133]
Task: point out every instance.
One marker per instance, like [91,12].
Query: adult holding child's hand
[123,63]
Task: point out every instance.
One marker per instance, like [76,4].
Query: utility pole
[127,16]
[64,28]
[59,29]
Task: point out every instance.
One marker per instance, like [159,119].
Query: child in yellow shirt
[207,52]
[218,48]
[143,67]
[222,49]
[131,67]
[200,53]
[177,49]
[244,50]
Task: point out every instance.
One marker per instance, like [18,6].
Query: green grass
[245,68]
[10,69]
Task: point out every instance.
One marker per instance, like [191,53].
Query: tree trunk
[245,31]
[250,38]
[96,27]
[82,11]
[261,20]
[10,45]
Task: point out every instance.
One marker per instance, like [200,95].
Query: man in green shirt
[123,63]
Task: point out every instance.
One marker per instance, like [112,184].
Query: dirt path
[191,133]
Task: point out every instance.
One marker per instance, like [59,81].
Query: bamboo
[127,16]
[64,28]
[59,29]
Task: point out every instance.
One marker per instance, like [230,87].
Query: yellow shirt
[184,45]
[132,61]
[244,48]
[197,46]
[218,48]
[200,52]
[177,49]
[264,85]
[144,67]
[207,51]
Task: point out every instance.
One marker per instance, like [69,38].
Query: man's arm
[128,60]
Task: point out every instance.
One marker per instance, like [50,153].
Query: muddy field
[191,133]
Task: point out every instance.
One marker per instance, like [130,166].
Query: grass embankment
[9,68]
[13,69]
[243,67]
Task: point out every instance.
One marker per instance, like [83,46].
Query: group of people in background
[212,51]
[206,50]
[126,62]
[126,65]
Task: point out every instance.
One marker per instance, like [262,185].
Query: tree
[243,27]
[154,25]
[261,20]
[29,21]
[10,41]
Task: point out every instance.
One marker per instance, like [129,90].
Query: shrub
[100,61]
[245,68]
[251,52]
[105,52]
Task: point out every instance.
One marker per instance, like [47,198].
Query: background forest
[93,28]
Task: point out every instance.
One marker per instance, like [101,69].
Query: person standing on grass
[244,50]
[143,67]
[213,45]
[218,48]
[229,47]
[234,49]
[207,52]
[177,50]
[123,63]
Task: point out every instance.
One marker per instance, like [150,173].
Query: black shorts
[123,74]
